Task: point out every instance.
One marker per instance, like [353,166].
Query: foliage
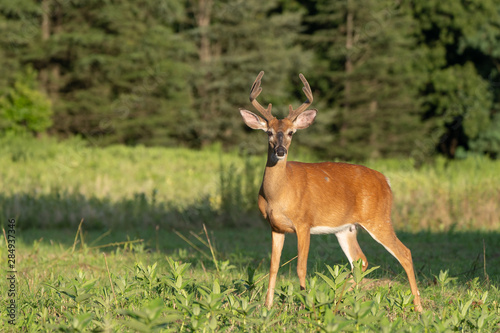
[93,285]
[23,109]
[390,79]
[459,101]
[460,57]
[488,140]
[232,48]
[371,78]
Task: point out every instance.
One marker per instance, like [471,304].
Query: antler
[307,90]
[256,89]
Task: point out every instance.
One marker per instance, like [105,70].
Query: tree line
[390,78]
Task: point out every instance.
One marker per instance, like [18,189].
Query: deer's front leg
[277,246]
[303,241]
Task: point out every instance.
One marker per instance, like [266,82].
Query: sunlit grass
[155,281]
[129,270]
[46,184]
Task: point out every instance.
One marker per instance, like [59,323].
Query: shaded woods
[390,79]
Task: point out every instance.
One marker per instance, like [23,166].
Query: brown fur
[305,198]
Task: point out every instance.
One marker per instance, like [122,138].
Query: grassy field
[141,260]
[49,184]
[151,280]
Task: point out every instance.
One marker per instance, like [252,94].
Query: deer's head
[280,131]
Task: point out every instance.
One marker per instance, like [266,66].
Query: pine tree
[23,108]
[373,74]
[460,40]
[115,71]
[236,40]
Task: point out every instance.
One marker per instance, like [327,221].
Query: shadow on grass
[466,254]
[60,210]
[237,232]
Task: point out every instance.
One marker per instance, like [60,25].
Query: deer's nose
[280,149]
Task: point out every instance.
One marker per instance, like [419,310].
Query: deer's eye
[269,133]
[290,133]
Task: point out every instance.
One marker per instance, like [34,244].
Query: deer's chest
[277,216]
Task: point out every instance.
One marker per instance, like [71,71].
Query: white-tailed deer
[320,198]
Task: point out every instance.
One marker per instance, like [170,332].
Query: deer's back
[332,193]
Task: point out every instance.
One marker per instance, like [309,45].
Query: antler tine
[307,91]
[256,89]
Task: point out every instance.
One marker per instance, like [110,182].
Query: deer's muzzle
[280,148]
[281,151]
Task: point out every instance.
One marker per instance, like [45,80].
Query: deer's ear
[253,121]
[305,119]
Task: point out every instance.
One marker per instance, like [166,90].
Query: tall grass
[55,184]
[445,195]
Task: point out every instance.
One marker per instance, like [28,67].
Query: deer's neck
[275,177]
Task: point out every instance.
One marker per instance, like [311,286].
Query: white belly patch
[330,230]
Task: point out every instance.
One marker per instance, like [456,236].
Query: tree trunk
[348,69]
[203,19]
[50,74]
[44,73]
[203,14]
[55,68]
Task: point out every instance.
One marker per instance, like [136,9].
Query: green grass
[50,184]
[142,262]
[157,281]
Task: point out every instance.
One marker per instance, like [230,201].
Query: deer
[320,198]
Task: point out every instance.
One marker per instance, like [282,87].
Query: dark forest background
[390,78]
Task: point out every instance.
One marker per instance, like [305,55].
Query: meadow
[168,239]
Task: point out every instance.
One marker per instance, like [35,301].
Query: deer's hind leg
[383,232]
[349,244]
